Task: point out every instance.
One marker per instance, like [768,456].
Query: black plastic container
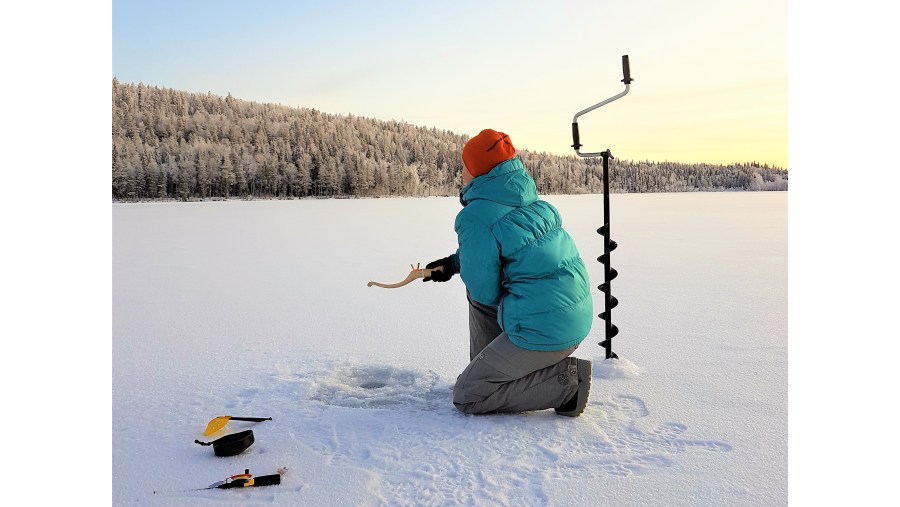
[231,445]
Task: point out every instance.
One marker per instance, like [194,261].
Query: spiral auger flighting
[609,274]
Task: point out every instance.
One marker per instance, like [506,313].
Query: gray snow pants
[503,377]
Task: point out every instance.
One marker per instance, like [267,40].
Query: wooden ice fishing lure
[415,273]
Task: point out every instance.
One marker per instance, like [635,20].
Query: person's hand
[443,270]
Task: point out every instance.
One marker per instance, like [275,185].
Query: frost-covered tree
[168,144]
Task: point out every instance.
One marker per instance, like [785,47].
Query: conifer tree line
[169,144]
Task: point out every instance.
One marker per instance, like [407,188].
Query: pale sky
[710,76]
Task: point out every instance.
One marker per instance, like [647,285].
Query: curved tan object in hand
[414,274]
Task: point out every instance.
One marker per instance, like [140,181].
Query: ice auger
[609,245]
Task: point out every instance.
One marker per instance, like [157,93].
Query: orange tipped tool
[220,422]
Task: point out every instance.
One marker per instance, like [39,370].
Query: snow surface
[261,309]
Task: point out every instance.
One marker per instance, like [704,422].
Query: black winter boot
[575,405]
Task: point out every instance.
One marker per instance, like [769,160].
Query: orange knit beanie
[484,151]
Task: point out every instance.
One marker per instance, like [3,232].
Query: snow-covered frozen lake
[260,308]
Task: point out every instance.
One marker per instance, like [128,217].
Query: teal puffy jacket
[514,255]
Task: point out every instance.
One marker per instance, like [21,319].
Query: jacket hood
[506,184]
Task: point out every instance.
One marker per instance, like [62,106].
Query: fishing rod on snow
[609,245]
[244,480]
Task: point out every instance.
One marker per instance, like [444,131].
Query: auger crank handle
[576,139]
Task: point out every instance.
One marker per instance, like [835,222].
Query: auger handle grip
[626,70]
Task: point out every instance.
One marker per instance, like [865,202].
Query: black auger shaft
[609,273]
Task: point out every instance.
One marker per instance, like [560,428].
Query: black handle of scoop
[626,70]
[251,419]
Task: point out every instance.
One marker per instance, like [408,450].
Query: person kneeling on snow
[529,298]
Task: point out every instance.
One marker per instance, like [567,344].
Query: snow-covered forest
[169,144]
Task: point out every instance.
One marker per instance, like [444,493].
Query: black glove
[441,275]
